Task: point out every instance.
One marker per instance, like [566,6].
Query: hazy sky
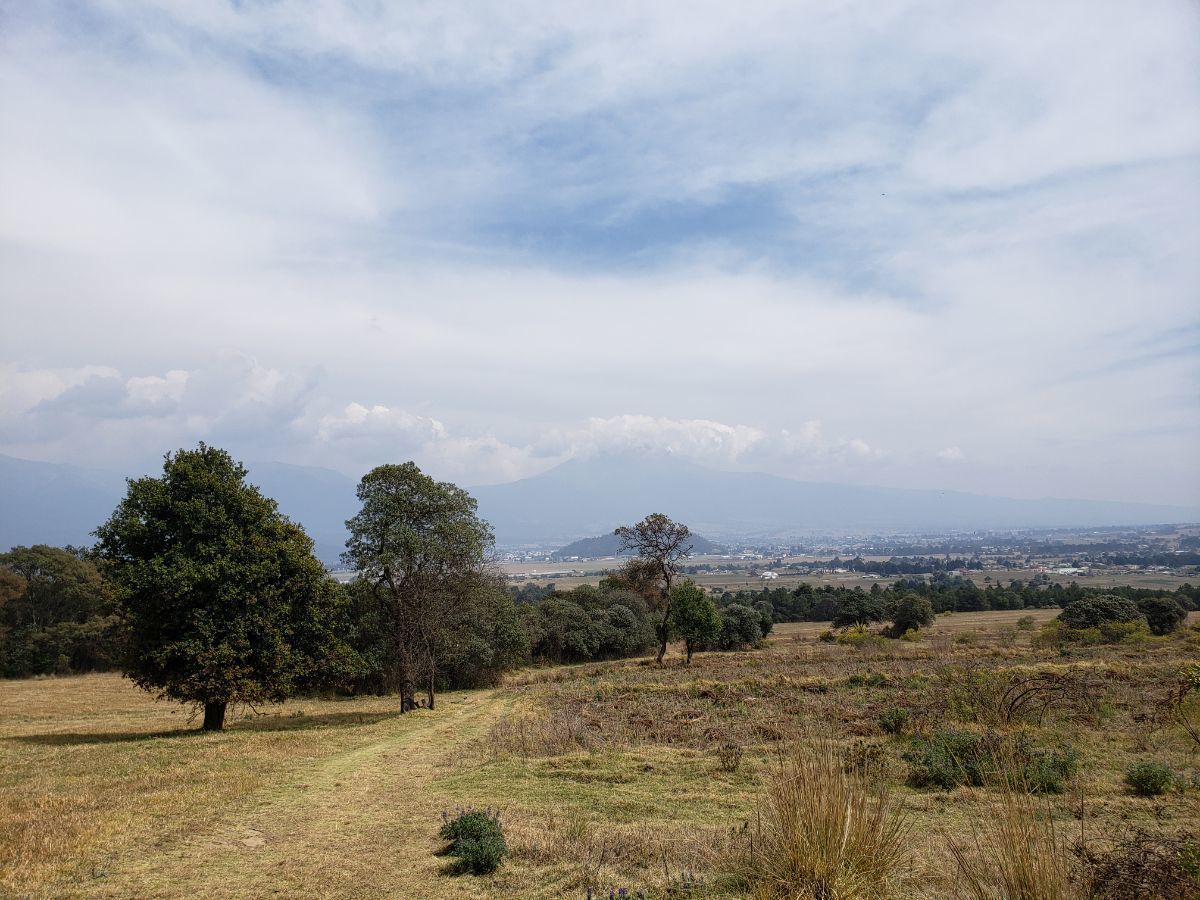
[937,244]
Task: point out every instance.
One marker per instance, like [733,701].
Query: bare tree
[660,544]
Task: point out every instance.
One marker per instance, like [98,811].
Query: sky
[919,244]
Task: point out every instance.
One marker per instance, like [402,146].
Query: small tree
[660,545]
[694,617]
[912,611]
[221,596]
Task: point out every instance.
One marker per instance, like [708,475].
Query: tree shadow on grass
[257,723]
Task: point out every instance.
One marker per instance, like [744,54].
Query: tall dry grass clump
[822,833]
[1015,852]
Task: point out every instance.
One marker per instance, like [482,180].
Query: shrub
[822,832]
[477,840]
[1026,623]
[1163,615]
[950,758]
[894,720]
[911,612]
[912,635]
[1092,612]
[827,636]
[967,637]
[859,637]
[1142,864]
[740,628]
[1149,779]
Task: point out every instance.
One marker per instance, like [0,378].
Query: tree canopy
[420,548]
[221,597]
[694,617]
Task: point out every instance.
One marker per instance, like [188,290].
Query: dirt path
[360,824]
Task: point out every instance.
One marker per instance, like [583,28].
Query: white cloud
[822,239]
[950,454]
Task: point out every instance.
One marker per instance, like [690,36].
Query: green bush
[911,612]
[894,720]
[741,626]
[1148,778]
[1162,614]
[477,840]
[859,637]
[1026,623]
[1092,612]
[951,758]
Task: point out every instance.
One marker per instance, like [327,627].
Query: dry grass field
[609,775]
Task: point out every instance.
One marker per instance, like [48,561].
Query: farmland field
[608,775]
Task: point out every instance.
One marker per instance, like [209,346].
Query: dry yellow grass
[610,777]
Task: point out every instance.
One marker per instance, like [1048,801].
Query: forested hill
[610,545]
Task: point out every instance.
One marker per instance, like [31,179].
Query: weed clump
[729,756]
[1015,851]
[477,840]
[822,832]
[894,720]
[1149,778]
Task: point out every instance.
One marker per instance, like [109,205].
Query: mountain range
[61,504]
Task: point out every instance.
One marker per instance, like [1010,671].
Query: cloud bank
[909,243]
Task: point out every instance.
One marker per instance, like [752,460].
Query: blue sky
[925,244]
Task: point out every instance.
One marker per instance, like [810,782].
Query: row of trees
[824,603]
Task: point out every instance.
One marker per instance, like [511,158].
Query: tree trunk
[408,699]
[689,652]
[664,630]
[214,716]
[429,691]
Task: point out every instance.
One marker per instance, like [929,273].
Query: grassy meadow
[609,775]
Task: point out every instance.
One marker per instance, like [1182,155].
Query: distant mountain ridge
[61,504]
[610,545]
[584,496]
